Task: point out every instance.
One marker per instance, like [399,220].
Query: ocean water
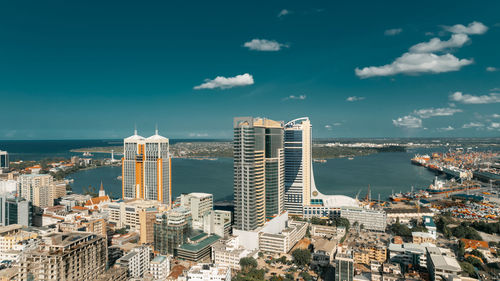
[383,172]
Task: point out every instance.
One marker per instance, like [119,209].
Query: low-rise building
[213,272]
[126,213]
[159,267]
[136,261]
[408,254]
[229,251]
[217,222]
[199,204]
[375,220]
[423,237]
[441,262]
[405,215]
[366,253]
[344,267]
[197,248]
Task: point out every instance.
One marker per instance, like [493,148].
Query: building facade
[200,204]
[171,229]
[136,261]
[39,189]
[4,160]
[258,171]
[146,171]
[159,267]
[370,219]
[213,272]
[15,210]
[344,267]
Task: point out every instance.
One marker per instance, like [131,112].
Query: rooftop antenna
[156,129]
[135,128]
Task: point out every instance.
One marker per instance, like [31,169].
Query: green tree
[461,249]
[248,264]
[474,261]
[261,254]
[400,230]
[478,254]
[468,268]
[306,276]
[301,257]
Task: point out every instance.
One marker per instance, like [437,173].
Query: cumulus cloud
[473,125]
[471,99]
[491,69]
[495,115]
[198,135]
[294,97]
[392,32]
[435,44]
[264,45]
[226,82]
[355,98]
[283,13]
[473,28]
[415,63]
[329,127]
[494,126]
[410,122]
[446,129]
[432,112]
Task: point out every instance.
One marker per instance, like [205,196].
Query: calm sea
[384,172]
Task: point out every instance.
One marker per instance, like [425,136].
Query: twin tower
[272,169]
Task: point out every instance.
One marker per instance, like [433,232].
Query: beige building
[39,189]
[147,218]
[199,204]
[65,256]
[126,213]
[423,237]
[12,235]
[365,254]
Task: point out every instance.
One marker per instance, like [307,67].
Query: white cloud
[494,126]
[283,13]
[432,112]
[392,32]
[264,45]
[435,44]
[495,115]
[329,127]
[293,97]
[408,121]
[446,129]
[473,28]
[470,99]
[198,135]
[491,69]
[473,125]
[226,82]
[410,63]
[355,98]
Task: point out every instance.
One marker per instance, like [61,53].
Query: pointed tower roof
[134,137]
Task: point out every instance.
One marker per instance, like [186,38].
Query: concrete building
[370,219]
[344,267]
[159,267]
[4,161]
[8,186]
[278,235]
[441,263]
[405,215]
[408,254]
[114,274]
[13,235]
[229,251]
[65,256]
[197,248]
[126,213]
[15,210]
[136,261]
[212,272]
[146,171]
[423,237]
[199,204]
[430,225]
[147,218]
[217,222]
[172,229]
[366,253]
[39,189]
[258,171]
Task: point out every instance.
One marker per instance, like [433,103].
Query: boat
[398,197]
[445,187]
[319,160]
[351,158]
[86,153]
[119,178]
[420,160]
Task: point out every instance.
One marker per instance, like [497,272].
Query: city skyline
[423,74]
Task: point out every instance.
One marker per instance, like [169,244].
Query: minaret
[101,191]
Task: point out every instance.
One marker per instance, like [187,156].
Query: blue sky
[93,69]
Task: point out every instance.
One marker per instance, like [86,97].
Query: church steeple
[101,191]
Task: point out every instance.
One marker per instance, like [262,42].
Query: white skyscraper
[146,171]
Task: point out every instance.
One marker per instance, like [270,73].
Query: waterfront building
[370,219]
[146,171]
[217,222]
[39,189]
[15,210]
[136,261]
[127,213]
[344,267]
[278,235]
[213,272]
[96,203]
[199,204]
[258,171]
[229,251]
[65,256]
[4,161]
[405,215]
[197,248]
[159,267]
[172,229]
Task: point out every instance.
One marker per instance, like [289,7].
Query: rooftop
[199,244]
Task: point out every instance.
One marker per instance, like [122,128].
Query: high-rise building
[146,168]
[344,267]
[298,175]
[65,256]
[4,160]
[258,171]
[37,188]
[199,204]
[15,210]
[171,229]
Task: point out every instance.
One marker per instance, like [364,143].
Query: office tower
[146,168]
[258,171]
[65,256]
[15,210]
[199,204]
[344,267]
[171,229]
[4,160]
[298,174]
[39,189]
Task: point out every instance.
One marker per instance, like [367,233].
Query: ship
[319,160]
[445,187]
[420,160]
[398,197]
[86,153]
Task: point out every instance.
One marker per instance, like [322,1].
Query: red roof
[474,244]
[97,200]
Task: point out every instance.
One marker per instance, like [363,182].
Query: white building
[212,272]
[441,262]
[408,254]
[159,267]
[228,252]
[136,261]
[39,189]
[217,222]
[370,219]
[200,204]
[126,213]
[8,186]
